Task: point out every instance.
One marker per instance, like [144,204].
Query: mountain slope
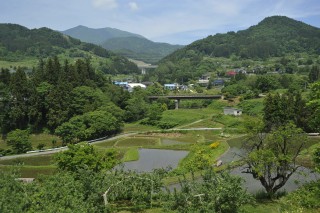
[274,36]
[97,36]
[18,43]
[124,43]
[140,48]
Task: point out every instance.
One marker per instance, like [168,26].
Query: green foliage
[252,107]
[314,74]
[272,158]
[90,125]
[305,197]
[19,141]
[265,83]
[313,106]
[259,42]
[280,109]
[166,124]
[84,156]
[153,115]
[58,193]
[13,194]
[316,159]
[215,193]
[136,109]
[19,43]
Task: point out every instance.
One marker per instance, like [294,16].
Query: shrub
[166,125]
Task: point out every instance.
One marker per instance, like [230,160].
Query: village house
[232,111]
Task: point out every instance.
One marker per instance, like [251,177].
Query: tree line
[70,100]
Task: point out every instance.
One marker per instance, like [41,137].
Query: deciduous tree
[272,158]
[19,141]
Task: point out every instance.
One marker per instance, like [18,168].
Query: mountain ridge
[18,43]
[97,35]
[124,43]
[276,36]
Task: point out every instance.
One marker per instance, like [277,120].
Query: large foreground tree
[272,157]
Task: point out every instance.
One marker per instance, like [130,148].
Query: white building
[131,86]
[232,111]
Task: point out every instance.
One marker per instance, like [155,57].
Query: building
[203,82]
[121,83]
[218,82]
[232,111]
[231,73]
[170,86]
[131,86]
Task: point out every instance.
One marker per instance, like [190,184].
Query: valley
[228,123]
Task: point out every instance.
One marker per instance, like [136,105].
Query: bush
[166,125]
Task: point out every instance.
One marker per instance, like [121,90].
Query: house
[231,73]
[131,86]
[170,86]
[218,82]
[120,83]
[203,82]
[232,111]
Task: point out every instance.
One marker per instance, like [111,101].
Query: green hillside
[140,48]
[276,36]
[22,46]
[97,36]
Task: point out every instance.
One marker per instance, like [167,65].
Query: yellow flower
[214,145]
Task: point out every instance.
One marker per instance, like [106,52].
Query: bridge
[145,67]
[177,98]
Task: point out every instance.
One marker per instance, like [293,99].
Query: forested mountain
[125,43]
[18,43]
[97,36]
[275,36]
[140,48]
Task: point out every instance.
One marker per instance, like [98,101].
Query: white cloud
[105,4]
[133,6]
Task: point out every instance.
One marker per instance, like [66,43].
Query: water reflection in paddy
[150,159]
[165,141]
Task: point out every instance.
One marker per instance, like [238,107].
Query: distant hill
[20,43]
[140,48]
[274,36]
[125,43]
[97,36]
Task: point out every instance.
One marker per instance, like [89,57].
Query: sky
[170,21]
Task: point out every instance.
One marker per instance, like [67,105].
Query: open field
[129,142]
[37,139]
[40,160]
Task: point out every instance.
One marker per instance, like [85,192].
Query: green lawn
[137,141]
[36,139]
[137,127]
[132,154]
[40,160]
[46,139]
[31,171]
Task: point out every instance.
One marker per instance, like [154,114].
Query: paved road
[51,151]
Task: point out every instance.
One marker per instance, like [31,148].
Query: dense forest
[20,43]
[275,37]
[70,100]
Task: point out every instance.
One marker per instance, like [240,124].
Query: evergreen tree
[20,97]
[314,74]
